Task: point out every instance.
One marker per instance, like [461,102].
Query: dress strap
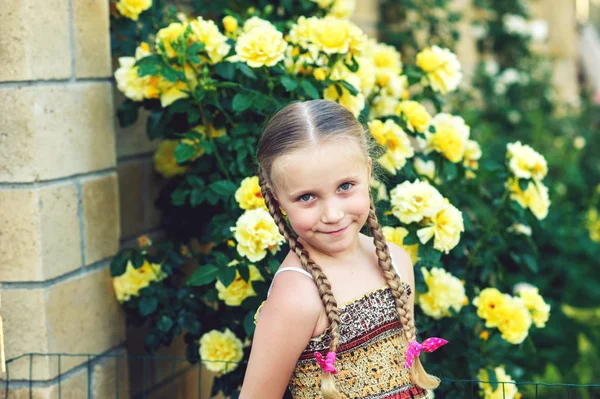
[286,269]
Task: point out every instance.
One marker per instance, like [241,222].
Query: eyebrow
[299,193]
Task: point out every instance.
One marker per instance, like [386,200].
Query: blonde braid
[418,374]
[328,388]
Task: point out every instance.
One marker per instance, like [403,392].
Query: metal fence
[149,377]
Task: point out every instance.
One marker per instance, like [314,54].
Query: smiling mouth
[336,232]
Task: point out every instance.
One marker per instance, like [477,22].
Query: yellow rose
[450,137]
[239,289]
[248,195]
[489,304]
[128,81]
[535,197]
[133,8]
[526,163]
[396,235]
[424,168]
[221,352]
[516,321]
[164,159]
[508,390]
[255,233]
[416,116]
[592,224]
[170,92]
[338,36]
[142,51]
[303,31]
[256,22]
[133,280]
[444,292]
[445,226]
[396,141]
[168,35]
[391,84]
[212,131]
[472,155]
[230,24]
[385,57]
[411,202]
[215,43]
[343,8]
[441,67]
[261,46]
[354,104]
[539,309]
[383,106]
[366,74]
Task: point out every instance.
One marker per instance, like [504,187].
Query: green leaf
[249,325]
[179,196]
[223,187]
[205,274]
[127,113]
[450,170]
[148,305]
[310,89]
[184,152]
[225,70]
[197,196]
[492,378]
[246,70]
[148,70]
[523,184]
[353,90]
[137,260]
[429,256]
[411,238]
[242,101]
[195,48]
[227,275]
[353,67]
[170,74]
[531,263]
[156,125]
[289,83]
[164,323]
[244,271]
[119,264]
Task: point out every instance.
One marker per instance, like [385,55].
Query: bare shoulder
[403,262]
[284,328]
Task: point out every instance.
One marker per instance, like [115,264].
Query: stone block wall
[60,219]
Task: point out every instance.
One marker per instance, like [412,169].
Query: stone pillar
[562,44]
[59,200]
[366,15]
[466,47]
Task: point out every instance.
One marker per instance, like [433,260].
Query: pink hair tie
[326,364]
[415,348]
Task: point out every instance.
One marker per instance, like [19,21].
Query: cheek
[302,220]
[360,205]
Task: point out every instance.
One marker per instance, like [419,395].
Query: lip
[336,232]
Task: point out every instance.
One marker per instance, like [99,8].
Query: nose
[332,213]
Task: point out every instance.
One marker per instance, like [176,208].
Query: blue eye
[345,186]
[304,198]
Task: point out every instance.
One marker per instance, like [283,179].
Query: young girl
[339,323]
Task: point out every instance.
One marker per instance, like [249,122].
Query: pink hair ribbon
[327,363]
[415,348]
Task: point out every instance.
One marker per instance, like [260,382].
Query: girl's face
[324,189]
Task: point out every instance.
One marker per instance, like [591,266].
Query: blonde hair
[298,125]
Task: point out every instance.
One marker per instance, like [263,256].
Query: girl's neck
[346,257]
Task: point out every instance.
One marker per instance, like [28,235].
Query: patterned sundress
[370,356]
